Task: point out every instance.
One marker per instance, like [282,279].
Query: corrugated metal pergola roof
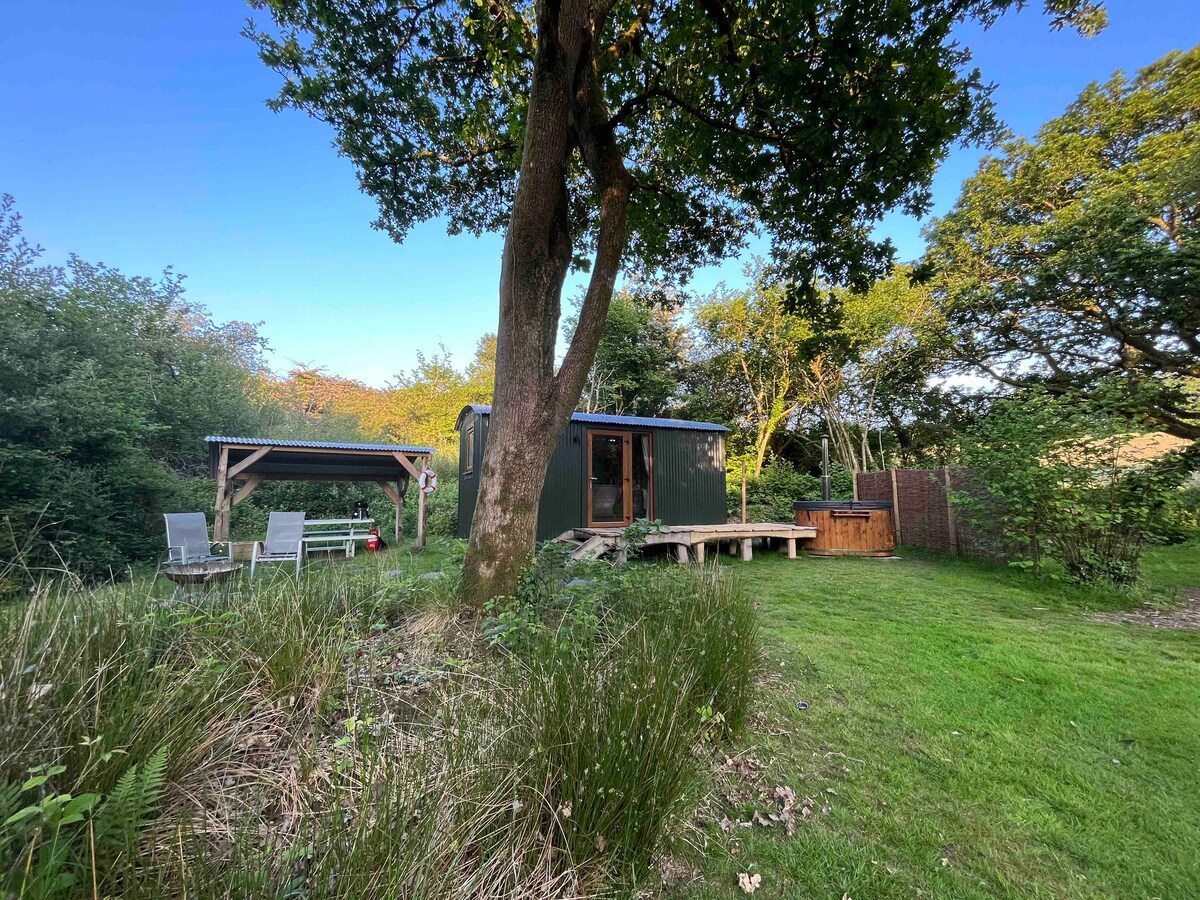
[315,445]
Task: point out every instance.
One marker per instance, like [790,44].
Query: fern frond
[132,803]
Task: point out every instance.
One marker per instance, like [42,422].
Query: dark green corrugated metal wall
[562,501]
[689,478]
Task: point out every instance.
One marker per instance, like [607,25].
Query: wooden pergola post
[221,509]
[401,490]
[420,545]
[396,495]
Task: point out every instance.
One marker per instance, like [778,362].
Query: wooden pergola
[241,464]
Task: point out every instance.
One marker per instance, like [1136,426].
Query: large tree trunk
[532,401]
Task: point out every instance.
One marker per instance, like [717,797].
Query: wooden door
[610,483]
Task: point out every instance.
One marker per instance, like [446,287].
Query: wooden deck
[689,541]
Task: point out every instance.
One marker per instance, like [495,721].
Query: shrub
[770,495]
[1180,521]
[442,517]
[1052,468]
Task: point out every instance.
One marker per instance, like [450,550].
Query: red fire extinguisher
[374,541]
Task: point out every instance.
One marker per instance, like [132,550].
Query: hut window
[470,467]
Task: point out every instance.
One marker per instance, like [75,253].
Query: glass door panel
[608,482]
[642,467]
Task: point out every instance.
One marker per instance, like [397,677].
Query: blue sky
[135,133]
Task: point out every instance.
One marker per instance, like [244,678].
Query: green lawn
[996,742]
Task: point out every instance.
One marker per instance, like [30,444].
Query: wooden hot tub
[847,527]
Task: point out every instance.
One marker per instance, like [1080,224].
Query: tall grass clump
[101,703]
[609,721]
[712,621]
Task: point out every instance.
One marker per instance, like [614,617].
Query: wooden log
[699,548]
[747,548]
[681,553]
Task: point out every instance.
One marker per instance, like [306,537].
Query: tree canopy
[1076,255]
[754,351]
[808,120]
[639,357]
[875,368]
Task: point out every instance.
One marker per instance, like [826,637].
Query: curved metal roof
[625,421]
[315,445]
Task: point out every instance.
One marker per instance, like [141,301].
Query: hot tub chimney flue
[825,467]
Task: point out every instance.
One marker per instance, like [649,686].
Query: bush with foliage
[1058,487]
[107,387]
[771,495]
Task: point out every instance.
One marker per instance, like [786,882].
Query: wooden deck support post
[681,552]
[747,549]
[221,509]
[791,548]
[699,548]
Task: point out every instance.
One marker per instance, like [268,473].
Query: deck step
[593,548]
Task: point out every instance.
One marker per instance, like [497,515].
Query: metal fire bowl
[201,573]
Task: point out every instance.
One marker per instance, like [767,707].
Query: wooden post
[394,494]
[896,509]
[401,490]
[420,545]
[699,548]
[791,548]
[743,493]
[747,548]
[404,482]
[681,553]
[950,513]
[221,508]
